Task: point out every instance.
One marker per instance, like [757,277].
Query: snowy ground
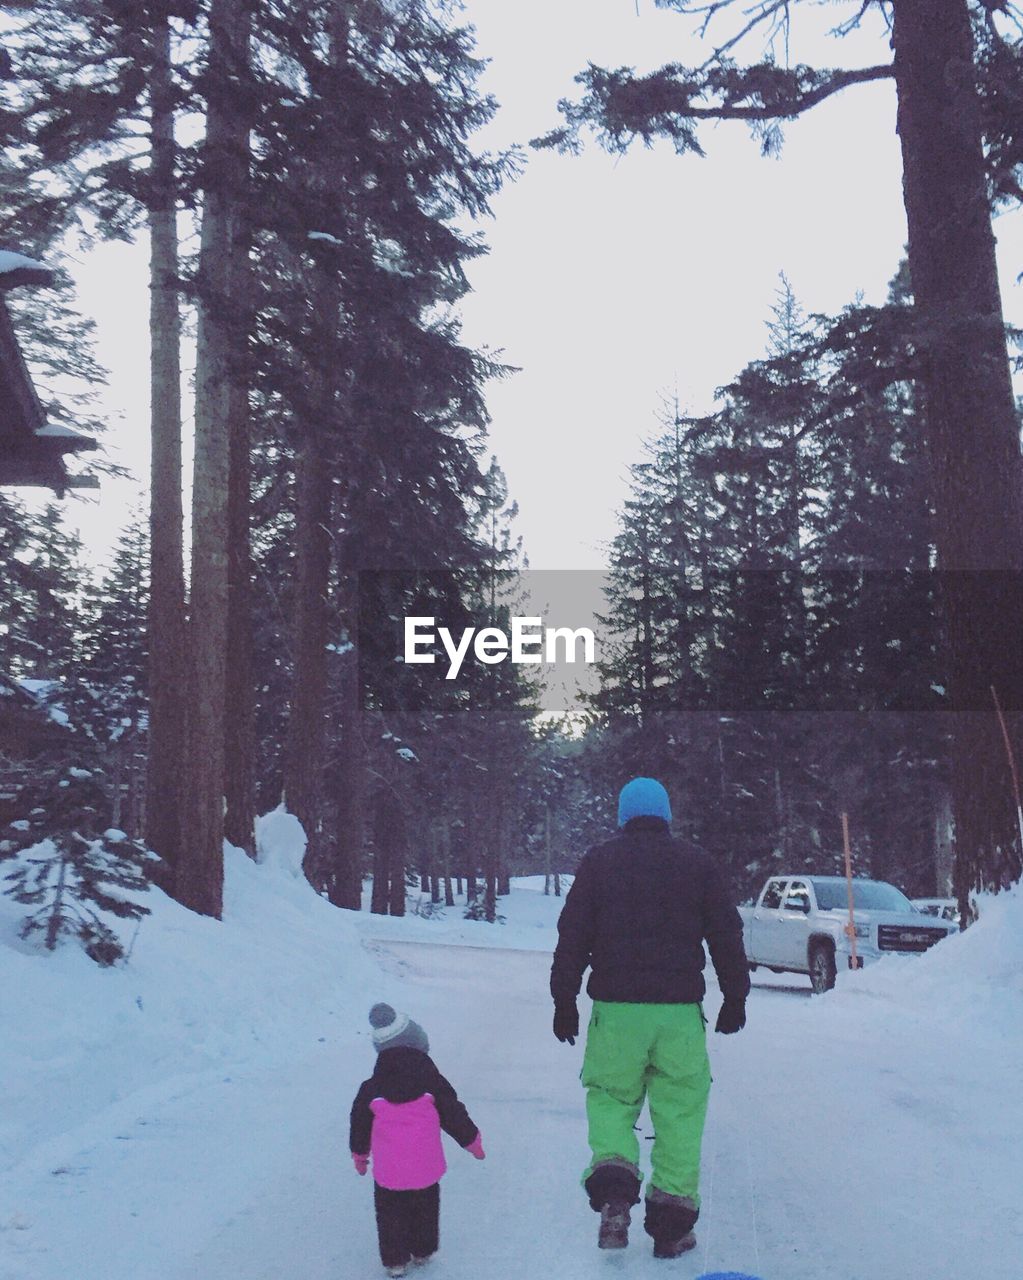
[186,1116]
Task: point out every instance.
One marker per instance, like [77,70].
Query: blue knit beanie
[643,798]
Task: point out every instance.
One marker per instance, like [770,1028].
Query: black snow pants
[408,1223]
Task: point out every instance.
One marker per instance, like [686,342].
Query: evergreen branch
[787,110]
[666,103]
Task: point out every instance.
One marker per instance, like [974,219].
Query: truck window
[772,895]
[798,898]
[868,895]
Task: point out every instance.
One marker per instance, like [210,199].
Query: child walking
[397,1117]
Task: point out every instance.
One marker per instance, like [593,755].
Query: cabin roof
[32,451]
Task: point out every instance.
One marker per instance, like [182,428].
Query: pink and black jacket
[397,1117]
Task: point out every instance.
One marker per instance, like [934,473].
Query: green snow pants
[653,1052]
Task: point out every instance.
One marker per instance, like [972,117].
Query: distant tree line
[775,641]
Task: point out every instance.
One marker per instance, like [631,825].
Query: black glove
[566,1022]
[732,1017]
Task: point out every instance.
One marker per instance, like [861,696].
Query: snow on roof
[70,441]
[38,687]
[11,261]
[47,694]
[56,431]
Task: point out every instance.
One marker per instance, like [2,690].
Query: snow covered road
[842,1142]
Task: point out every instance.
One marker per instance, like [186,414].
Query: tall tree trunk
[426,860]
[345,881]
[942,842]
[303,770]
[240,726]
[166,622]
[200,877]
[398,837]
[307,724]
[381,895]
[449,894]
[496,817]
[503,871]
[435,872]
[970,415]
[471,855]
[136,797]
[547,849]
[117,784]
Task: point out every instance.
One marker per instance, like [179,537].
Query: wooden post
[850,928]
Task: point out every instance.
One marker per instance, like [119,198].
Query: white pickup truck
[800,925]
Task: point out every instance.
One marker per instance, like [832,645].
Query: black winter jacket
[402,1075]
[637,914]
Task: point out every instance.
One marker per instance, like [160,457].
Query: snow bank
[282,973]
[974,976]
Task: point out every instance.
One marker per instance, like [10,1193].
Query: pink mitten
[361,1163]
[475,1148]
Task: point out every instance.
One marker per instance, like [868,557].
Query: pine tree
[109,695]
[200,871]
[77,879]
[166,620]
[51,619]
[37,592]
[366,171]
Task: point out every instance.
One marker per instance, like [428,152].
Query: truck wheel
[822,968]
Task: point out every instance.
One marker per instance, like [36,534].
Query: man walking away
[637,915]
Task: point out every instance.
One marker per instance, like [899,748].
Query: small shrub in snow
[77,881]
[72,887]
[427,910]
[478,911]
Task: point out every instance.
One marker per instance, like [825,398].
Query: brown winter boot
[614,1225]
[674,1248]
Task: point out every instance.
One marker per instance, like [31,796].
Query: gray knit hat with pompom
[396,1030]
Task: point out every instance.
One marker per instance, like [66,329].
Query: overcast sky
[611,281]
